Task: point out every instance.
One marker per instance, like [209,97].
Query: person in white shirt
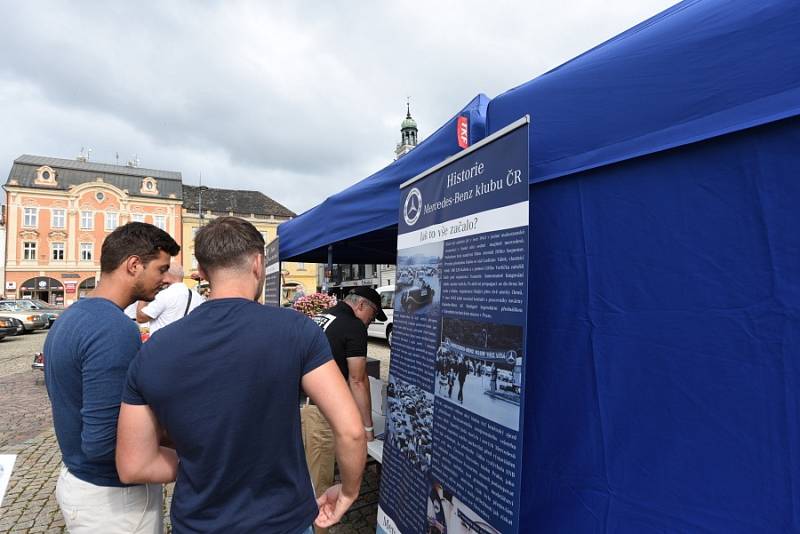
[130,311]
[171,303]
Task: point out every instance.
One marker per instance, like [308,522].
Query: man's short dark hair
[135,239]
[226,242]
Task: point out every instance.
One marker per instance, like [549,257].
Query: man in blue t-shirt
[88,351]
[223,382]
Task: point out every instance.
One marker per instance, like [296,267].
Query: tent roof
[700,69]
[368,209]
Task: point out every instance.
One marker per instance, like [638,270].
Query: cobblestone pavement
[26,430]
[16,353]
[26,412]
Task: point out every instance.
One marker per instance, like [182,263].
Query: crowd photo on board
[479,367]
[411,422]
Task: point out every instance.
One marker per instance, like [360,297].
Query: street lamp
[202,189]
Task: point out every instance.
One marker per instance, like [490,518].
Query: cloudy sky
[295,99]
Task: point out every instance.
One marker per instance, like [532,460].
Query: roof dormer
[45,175]
[149,186]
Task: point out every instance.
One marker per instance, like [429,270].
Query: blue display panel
[452,452]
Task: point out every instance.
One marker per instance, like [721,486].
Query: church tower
[408,135]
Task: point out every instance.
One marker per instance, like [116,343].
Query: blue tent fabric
[664,331]
[663,384]
[361,221]
[700,69]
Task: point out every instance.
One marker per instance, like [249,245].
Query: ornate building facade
[59,211]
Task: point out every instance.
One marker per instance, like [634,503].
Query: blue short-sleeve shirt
[88,351]
[224,382]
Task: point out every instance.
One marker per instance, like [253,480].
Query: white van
[383,329]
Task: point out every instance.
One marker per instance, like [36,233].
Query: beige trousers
[90,509]
[320,450]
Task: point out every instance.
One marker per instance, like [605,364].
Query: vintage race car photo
[416,297]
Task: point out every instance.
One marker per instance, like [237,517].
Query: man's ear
[258,265]
[133,264]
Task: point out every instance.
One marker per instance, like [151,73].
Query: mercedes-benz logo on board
[412,208]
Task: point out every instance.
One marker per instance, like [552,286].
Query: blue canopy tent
[361,221]
[663,383]
[662,388]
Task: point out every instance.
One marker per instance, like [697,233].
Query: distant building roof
[235,201]
[75,172]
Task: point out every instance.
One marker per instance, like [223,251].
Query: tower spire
[408,133]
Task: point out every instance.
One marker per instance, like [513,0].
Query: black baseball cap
[372,296]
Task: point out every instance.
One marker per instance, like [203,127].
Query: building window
[86,251]
[31,217]
[111,221]
[29,250]
[160,221]
[100,196]
[58,251]
[301,266]
[87,220]
[194,262]
[138,217]
[59,219]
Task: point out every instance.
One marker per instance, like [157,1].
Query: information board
[452,451]
[272,284]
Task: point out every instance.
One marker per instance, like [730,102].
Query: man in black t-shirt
[345,326]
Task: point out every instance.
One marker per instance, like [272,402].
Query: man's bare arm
[359,386]
[142,317]
[140,458]
[326,387]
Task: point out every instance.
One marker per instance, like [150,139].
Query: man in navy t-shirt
[223,382]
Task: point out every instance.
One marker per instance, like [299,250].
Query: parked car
[50,311]
[19,328]
[383,329]
[30,321]
[405,279]
[7,327]
[416,297]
